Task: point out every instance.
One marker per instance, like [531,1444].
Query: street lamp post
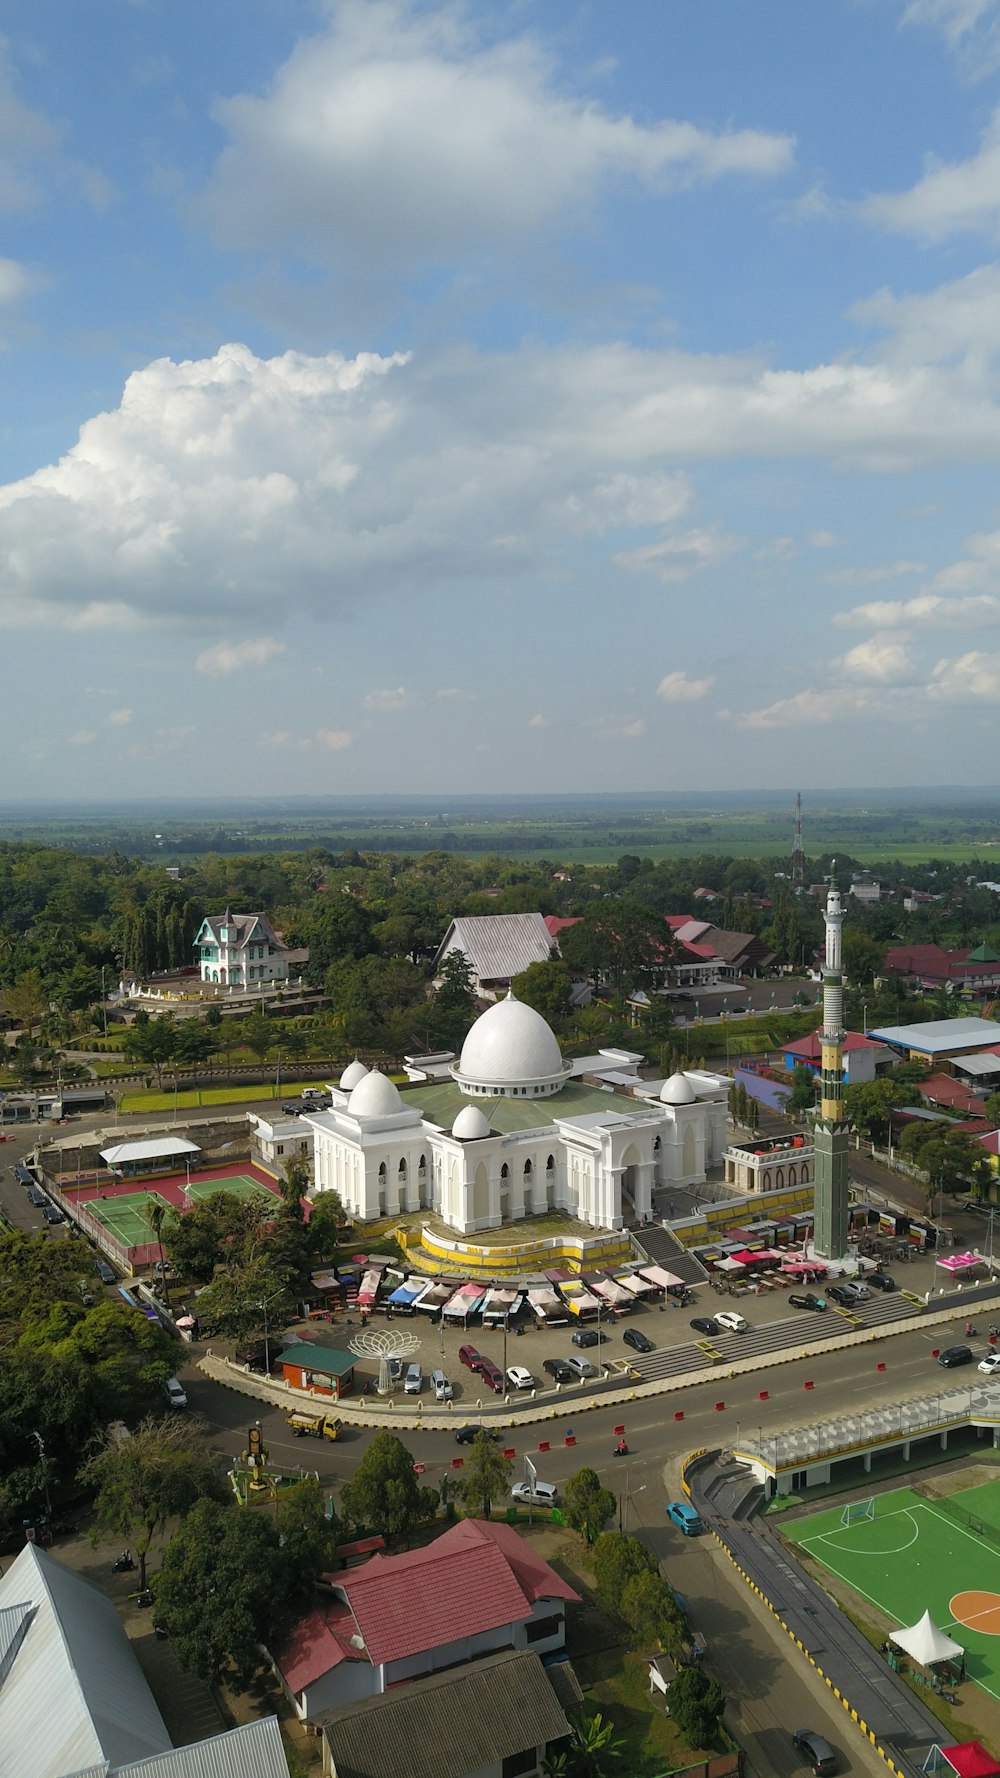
[40,1442]
[267,1348]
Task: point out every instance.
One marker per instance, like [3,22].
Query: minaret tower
[797,853]
[831,1127]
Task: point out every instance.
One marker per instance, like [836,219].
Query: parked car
[839,1293]
[106,1273]
[882,1281]
[955,1355]
[491,1376]
[37,1197]
[804,1299]
[704,1324]
[639,1342]
[857,1291]
[559,1370]
[174,1392]
[990,1364]
[466,1434]
[731,1321]
[414,1380]
[535,1493]
[582,1367]
[443,1390]
[684,1517]
[291,1108]
[817,1750]
[469,1356]
[589,1336]
[52,1213]
[520,1378]
[396,1369]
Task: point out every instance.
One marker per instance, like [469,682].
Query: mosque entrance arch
[479,1205]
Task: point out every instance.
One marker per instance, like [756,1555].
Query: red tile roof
[810,1048]
[318,1643]
[468,1581]
[941,1089]
[556,923]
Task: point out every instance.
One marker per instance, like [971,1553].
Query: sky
[545,396]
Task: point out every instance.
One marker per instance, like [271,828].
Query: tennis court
[912,1555]
[122,1212]
[126,1218]
[239,1185]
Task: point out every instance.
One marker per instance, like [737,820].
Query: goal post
[857,1510]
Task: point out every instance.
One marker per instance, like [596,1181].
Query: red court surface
[170,1186]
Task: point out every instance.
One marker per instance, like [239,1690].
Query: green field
[915,1555]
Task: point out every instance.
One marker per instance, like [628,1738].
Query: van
[443,1390]
[414,1381]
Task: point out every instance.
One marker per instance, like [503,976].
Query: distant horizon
[438,801]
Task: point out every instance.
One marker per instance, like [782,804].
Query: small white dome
[353,1074]
[374,1096]
[510,1042]
[470,1125]
[678,1091]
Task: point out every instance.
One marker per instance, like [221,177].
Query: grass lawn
[192,1097]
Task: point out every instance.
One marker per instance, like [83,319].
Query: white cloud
[397,135]
[823,539]
[630,500]
[334,739]
[232,657]
[83,737]
[813,706]
[872,576]
[277,738]
[455,694]
[119,718]
[970,28]
[16,281]
[952,197]
[540,721]
[618,728]
[973,676]
[216,481]
[390,698]
[676,556]
[677,688]
[32,159]
[927,611]
[630,730]
[955,322]
[884,660]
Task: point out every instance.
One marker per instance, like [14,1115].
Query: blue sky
[533,396]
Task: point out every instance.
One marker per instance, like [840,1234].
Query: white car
[990,1364]
[732,1321]
[541,1494]
[519,1378]
[174,1392]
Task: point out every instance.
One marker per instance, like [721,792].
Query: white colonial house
[240,950]
[511,1134]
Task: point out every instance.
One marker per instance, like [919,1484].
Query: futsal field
[913,1557]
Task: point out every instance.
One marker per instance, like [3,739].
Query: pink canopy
[961,1262]
[971,1760]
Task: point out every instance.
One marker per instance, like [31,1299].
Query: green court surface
[918,1555]
[126,1217]
[238,1185]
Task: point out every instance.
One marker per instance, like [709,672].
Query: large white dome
[511,1048]
[678,1091]
[353,1075]
[374,1096]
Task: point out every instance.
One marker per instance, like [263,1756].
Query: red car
[469,1356]
[491,1375]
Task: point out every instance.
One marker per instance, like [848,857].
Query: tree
[952,1160]
[195,1043]
[143,1481]
[326,1219]
[455,991]
[235,1302]
[803,1094]
[258,1034]
[27,1001]
[621,943]
[650,1609]
[617,1559]
[870,1104]
[153,1042]
[546,987]
[696,1703]
[225,1587]
[307,1526]
[384,1493]
[863,957]
[587,1504]
[485,1477]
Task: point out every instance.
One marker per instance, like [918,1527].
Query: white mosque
[510,1130]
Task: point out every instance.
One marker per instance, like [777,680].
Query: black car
[52,1213]
[955,1355]
[588,1336]
[291,1109]
[466,1434]
[805,1300]
[639,1342]
[881,1281]
[839,1293]
[106,1273]
[817,1750]
[704,1324]
[559,1370]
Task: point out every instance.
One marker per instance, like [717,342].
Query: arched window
[527,1169]
[423,1163]
[505,1171]
[402,1169]
[382,1174]
[779,1177]
[550,1165]
[791,1176]
[805,1173]
[656,1144]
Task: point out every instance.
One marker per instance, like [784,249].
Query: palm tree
[155,1212]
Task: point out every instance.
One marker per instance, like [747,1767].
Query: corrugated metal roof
[75,1695]
[498,946]
[254,1750]
[150,1149]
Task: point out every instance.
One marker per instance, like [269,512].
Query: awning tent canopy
[960,1262]
[729,1264]
[924,1642]
[151,1148]
[971,1760]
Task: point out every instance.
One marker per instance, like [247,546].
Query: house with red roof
[864,1058]
[477,1589]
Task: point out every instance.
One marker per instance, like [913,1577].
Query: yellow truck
[315,1425]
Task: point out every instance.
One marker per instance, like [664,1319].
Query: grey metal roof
[940,1034]
[254,1750]
[498,946]
[450,1724]
[74,1694]
[981,1062]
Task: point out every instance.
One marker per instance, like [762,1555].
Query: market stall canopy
[960,1262]
[971,1760]
[924,1642]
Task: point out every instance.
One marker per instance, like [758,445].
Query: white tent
[924,1642]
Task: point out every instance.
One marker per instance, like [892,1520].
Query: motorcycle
[144,1599]
[124,1564]
[621,1449]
